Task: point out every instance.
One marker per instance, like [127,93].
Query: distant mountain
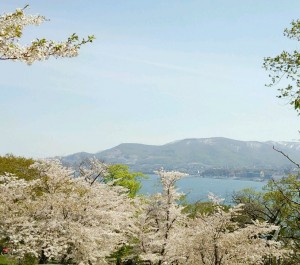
[193,155]
[75,159]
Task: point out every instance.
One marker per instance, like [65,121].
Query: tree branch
[292,161]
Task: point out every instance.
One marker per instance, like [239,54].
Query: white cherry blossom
[62,217]
[11,30]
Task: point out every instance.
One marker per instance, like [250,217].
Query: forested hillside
[193,155]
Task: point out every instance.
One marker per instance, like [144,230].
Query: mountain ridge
[196,154]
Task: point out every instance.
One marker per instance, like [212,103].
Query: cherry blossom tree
[59,216]
[217,239]
[11,30]
[56,216]
[160,222]
[168,236]
[93,170]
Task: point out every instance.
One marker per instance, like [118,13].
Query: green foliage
[121,176]
[286,192]
[11,260]
[28,260]
[286,66]
[278,204]
[115,174]
[197,208]
[20,166]
[257,206]
[201,208]
[4,260]
[125,255]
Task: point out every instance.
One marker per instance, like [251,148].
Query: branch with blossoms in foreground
[11,31]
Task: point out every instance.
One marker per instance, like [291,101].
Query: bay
[197,188]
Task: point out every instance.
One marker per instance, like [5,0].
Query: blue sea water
[197,187]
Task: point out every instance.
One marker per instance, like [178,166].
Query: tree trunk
[43,258]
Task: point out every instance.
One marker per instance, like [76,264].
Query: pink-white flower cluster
[167,236]
[161,221]
[11,30]
[62,217]
[219,239]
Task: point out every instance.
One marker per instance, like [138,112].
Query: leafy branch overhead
[286,67]
[11,31]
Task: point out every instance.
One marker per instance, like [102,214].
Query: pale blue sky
[158,71]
